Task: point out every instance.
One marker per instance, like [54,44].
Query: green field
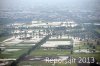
[97,30]
[59,40]
[95,55]
[13,54]
[3,38]
[57,52]
[49,52]
[41,63]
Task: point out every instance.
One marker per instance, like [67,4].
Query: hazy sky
[50,3]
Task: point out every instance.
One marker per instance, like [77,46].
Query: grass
[95,55]
[81,47]
[18,47]
[18,53]
[13,54]
[2,56]
[98,47]
[49,52]
[15,46]
[3,38]
[57,52]
[41,63]
[59,40]
[97,30]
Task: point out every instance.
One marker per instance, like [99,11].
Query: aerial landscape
[49,33]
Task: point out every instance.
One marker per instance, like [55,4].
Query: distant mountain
[4,21]
[28,4]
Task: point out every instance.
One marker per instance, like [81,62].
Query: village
[36,40]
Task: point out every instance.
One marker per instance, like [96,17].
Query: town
[36,40]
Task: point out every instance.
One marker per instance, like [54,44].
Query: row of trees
[14,63]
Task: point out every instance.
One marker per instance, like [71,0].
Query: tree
[79,48]
[0,50]
[94,48]
[98,43]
